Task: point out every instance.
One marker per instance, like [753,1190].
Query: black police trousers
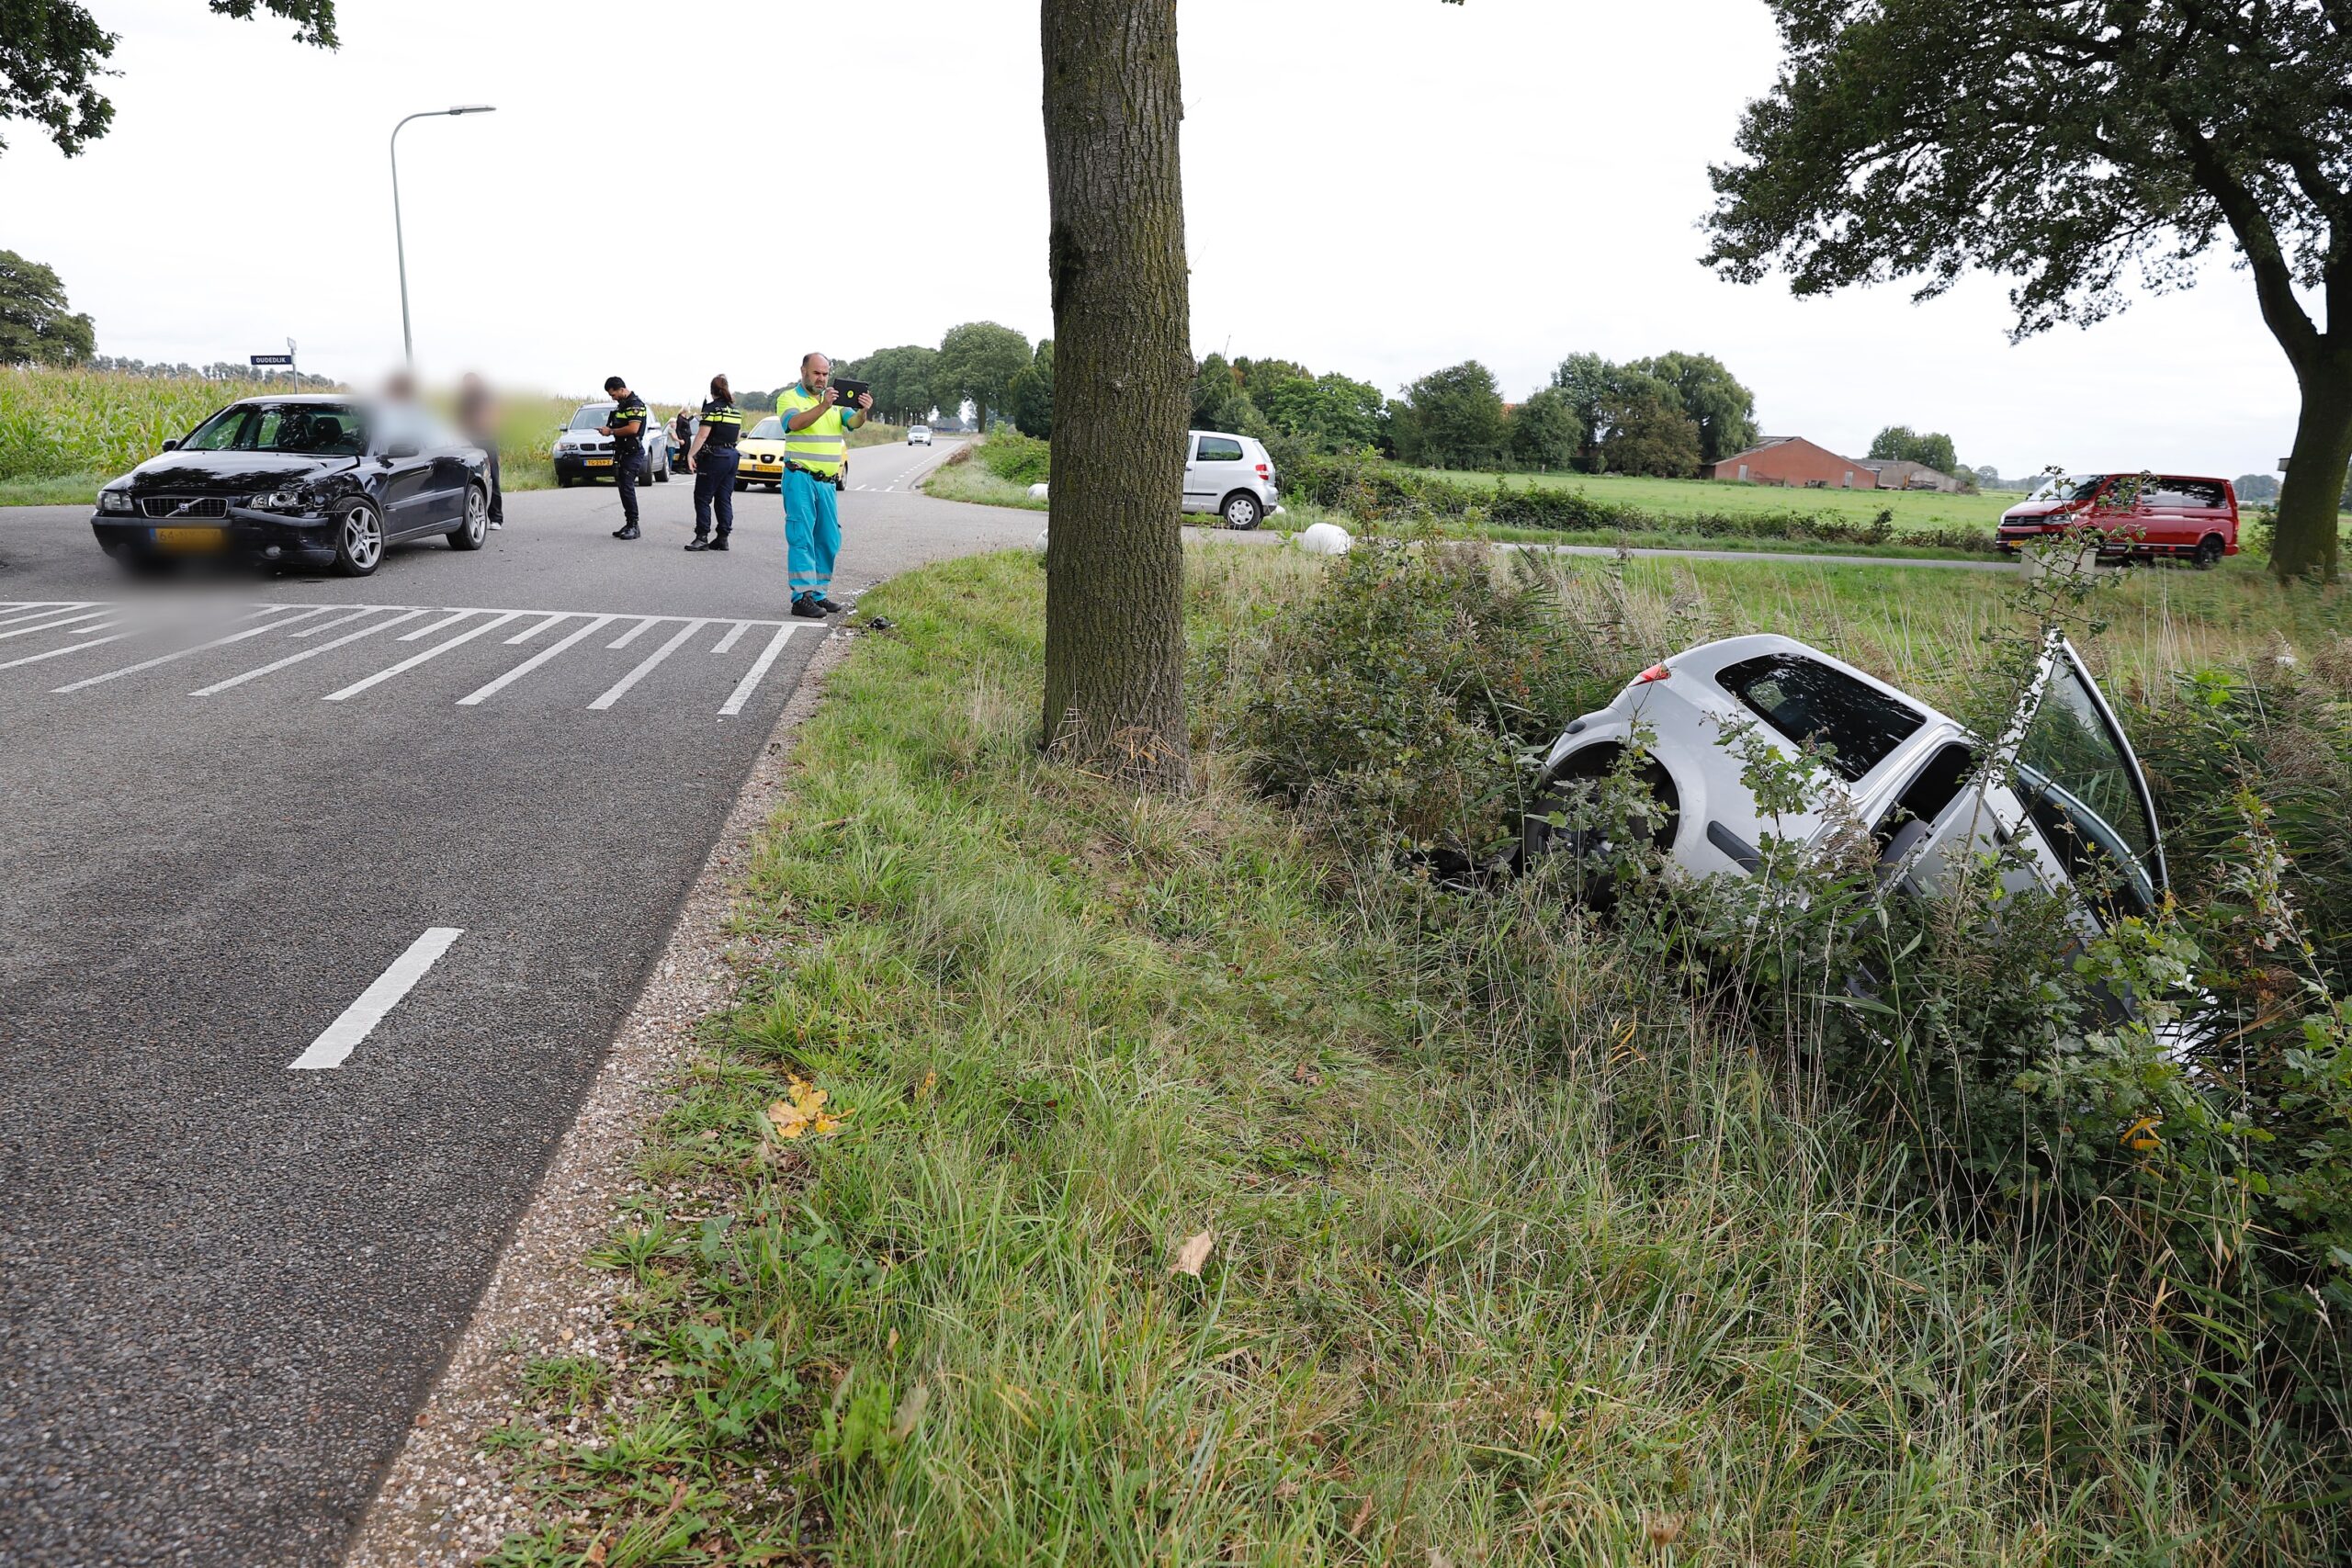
[715,488]
[628,467]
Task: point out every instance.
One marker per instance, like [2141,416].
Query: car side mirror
[400,449]
[171,443]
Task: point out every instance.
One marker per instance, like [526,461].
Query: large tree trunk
[2305,542]
[1123,363]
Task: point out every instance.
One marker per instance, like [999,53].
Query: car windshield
[324,430]
[2084,791]
[2066,486]
[1806,700]
[592,417]
[768,429]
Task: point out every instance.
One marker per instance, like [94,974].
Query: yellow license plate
[763,468]
[600,462]
[190,538]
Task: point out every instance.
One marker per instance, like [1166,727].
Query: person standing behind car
[682,429]
[711,459]
[625,425]
[479,418]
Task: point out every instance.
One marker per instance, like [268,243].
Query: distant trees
[1723,410]
[1218,400]
[902,379]
[2257,486]
[1648,433]
[1545,431]
[1715,412]
[976,363]
[1328,413]
[1901,444]
[35,325]
[1031,394]
[1452,419]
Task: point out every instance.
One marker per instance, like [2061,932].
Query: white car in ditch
[2063,784]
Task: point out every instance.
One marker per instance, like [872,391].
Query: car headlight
[114,500]
[283,500]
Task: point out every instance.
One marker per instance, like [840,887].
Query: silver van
[1229,475]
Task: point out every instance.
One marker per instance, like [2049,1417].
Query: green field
[1673,498]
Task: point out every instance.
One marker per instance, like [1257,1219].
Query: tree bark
[2304,545]
[1114,556]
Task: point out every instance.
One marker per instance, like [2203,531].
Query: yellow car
[762,459]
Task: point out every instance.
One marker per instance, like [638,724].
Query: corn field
[58,422]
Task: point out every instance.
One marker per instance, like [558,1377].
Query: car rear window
[2176,495]
[1806,700]
[1220,450]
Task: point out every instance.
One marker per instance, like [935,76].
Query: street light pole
[400,245]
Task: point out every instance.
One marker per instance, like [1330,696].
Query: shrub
[1014,457]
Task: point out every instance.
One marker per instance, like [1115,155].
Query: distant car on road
[763,456]
[1229,475]
[581,454]
[918,434]
[2143,515]
[310,479]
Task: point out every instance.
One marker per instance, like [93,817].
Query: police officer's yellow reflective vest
[818,445]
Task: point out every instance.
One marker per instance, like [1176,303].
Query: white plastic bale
[1326,539]
[1038,490]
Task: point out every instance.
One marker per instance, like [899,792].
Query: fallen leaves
[803,1111]
[1193,1253]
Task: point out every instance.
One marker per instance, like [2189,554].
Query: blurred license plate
[189,538]
[600,462]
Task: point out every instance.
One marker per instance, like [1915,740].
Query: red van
[2147,515]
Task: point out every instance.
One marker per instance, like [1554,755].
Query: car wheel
[562,479]
[358,538]
[741,486]
[2209,552]
[661,474]
[1582,770]
[1241,510]
[469,534]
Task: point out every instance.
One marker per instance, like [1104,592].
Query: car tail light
[1654,673]
[1261,470]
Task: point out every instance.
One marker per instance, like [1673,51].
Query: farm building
[1791,460]
[1896,474]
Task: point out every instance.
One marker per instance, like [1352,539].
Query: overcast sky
[1375,186]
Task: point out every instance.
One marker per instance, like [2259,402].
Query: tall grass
[54,424]
[1516,1254]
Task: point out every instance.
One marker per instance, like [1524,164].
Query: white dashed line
[742,692]
[413,660]
[62,621]
[527,635]
[360,1019]
[620,687]
[590,629]
[448,620]
[644,625]
[61,652]
[360,614]
[732,637]
[307,653]
[200,647]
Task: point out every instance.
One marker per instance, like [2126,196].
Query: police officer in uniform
[625,425]
[815,449]
[712,459]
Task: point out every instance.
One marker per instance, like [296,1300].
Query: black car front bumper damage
[247,532]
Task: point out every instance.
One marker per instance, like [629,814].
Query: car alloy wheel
[469,534]
[2209,552]
[359,538]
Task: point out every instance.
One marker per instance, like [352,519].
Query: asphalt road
[227,1282]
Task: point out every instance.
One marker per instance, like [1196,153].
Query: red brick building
[1791,460]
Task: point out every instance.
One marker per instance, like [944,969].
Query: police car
[582,454]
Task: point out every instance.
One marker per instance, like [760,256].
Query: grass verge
[1473,1290]
[962,478]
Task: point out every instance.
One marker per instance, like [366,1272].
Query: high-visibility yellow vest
[820,444]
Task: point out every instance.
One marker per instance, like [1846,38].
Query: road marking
[69,648]
[590,629]
[644,625]
[46,608]
[306,653]
[451,619]
[60,621]
[413,660]
[525,635]
[342,620]
[733,636]
[360,1019]
[620,687]
[185,652]
[742,693]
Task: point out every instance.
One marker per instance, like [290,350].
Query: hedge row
[1371,489]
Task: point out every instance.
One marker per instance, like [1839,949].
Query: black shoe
[698,543]
[719,542]
[832,607]
[807,610]
[626,530]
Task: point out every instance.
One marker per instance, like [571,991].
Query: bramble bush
[1017,458]
[2195,1155]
